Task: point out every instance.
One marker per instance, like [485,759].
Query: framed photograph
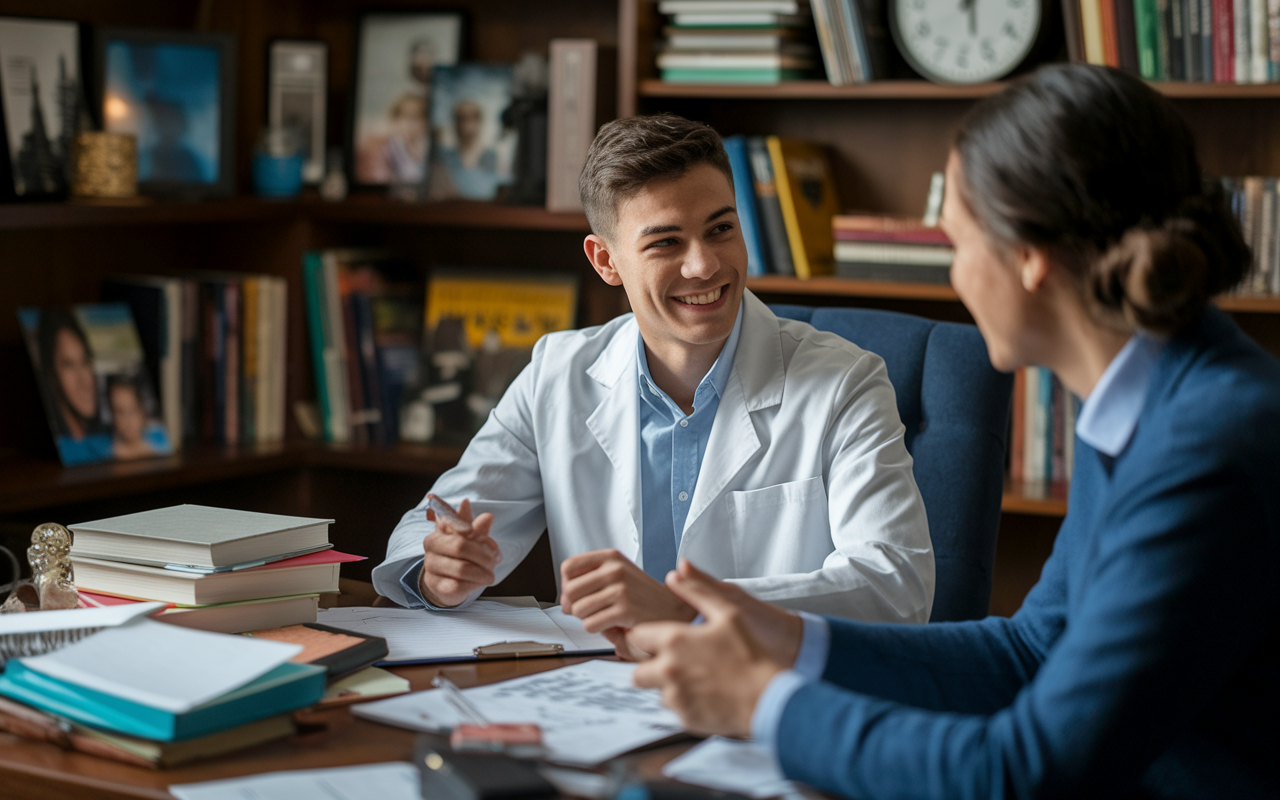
[175,91]
[99,399]
[43,100]
[397,54]
[472,150]
[297,87]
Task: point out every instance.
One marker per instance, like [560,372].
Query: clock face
[965,41]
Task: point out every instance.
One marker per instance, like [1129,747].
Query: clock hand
[973,17]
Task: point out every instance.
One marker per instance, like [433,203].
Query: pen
[459,701]
[444,512]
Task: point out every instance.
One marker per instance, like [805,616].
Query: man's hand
[605,590]
[713,674]
[459,557]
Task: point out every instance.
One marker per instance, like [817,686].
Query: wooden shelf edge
[844,287]
[923,90]
[1036,499]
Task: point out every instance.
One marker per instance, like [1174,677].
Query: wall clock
[965,41]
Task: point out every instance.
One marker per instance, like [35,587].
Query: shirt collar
[1110,414]
[716,378]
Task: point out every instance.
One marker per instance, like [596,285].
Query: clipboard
[501,650]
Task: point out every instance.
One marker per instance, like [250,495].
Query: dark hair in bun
[1100,170]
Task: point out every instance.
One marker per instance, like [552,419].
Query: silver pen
[459,701]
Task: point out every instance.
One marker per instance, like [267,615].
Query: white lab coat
[805,496]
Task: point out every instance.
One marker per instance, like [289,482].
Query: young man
[765,451]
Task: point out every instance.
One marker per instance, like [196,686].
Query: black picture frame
[54,107]
[358,177]
[169,185]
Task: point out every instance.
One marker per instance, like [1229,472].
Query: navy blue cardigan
[1145,659]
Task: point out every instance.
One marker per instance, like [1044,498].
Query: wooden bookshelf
[369,209]
[1036,499]
[921,90]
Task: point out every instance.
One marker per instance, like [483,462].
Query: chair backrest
[955,407]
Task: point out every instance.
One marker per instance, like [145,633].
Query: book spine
[1177,41]
[171,362]
[1147,24]
[1191,40]
[362,317]
[1059,472]
[191,354]
[1224,68]
[356,405]
[1266,236]
[1047,427]
[1091,20]
[1110,34]
[1035,428]
[1207,40]
[1074,28]
[745,196]
[826,44]
[787,201]
[1127,36]
[1241,59]
[1273,257]
[571,104]
[1273,39]
[1259,44]
[312,269]
[872,37]
[773,227]
[249,361]
[234,335]
[1017,455]
[335,352]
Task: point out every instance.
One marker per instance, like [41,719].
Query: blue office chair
[955,407]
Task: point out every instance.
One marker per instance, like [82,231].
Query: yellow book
[1091,23]
[807,194]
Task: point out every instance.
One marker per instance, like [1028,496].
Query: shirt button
[684,496]
[684,423]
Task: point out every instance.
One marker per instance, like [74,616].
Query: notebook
[197,536]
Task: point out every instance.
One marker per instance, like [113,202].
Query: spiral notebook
[36,632]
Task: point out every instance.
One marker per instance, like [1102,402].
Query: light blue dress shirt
[1108,418]
[672,445]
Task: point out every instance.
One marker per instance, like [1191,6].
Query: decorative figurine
[50,559]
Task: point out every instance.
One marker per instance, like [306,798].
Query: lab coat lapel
[616,420]
[755,383]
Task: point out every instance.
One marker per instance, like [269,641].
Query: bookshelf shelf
[1037,499]
[357,209]
[922,90]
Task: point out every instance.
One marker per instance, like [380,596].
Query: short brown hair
[630,153]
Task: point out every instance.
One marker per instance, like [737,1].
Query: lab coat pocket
[779,529]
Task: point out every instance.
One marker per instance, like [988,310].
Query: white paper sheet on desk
[418,635]
[733,766]
[163,666]
[588,712]
[394,781]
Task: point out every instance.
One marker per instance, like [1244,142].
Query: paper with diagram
[589,712]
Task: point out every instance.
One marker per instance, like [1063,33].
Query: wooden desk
[40,770]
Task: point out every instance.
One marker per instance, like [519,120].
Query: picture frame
[297,93]
[174,90]
[473,151]
[42,84]
[396,53]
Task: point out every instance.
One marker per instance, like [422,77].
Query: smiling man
[700,425]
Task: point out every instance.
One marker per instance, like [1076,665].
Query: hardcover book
[807,194]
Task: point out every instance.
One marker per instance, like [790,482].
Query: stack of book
[737,41]
[1221,41]
[155,695]
[1044,427]
[786,197]
[876,248]
[219,569]
[216,344]
[855,40]
[1255,202]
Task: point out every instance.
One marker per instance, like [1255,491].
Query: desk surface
[41,770]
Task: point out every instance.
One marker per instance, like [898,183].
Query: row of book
[854,38]
[1219,41]
[156,684]
[786,199]
[215,343]
[1256,204]
[879,248]
[737,41]
[1044,425]
[397,360]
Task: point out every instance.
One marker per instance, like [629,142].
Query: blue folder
[286,688]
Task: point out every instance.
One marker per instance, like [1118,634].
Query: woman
[71,388]
[1145,658]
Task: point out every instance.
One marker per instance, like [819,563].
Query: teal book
[312,267]
[734,76]
[744,192]
[1147,22]
[288,687]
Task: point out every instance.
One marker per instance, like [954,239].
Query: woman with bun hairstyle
[1145,661]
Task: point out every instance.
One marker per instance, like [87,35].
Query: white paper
[588,712]
[74,618]
[733,766]
[163,666]
[572,627]
[393,781]
[415,634]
